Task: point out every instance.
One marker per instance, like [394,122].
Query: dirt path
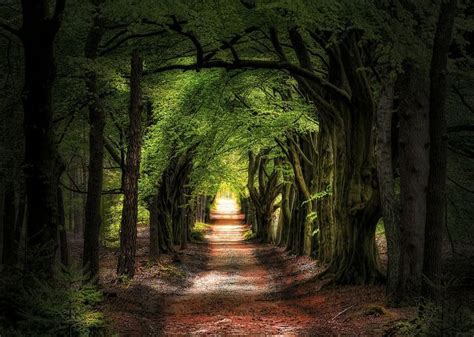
[229,296]
[228,286]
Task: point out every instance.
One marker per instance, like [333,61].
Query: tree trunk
[2,204]
[154,230]
[63,244]
[128,228]
[436,201]
[414,171]
[41,155]
[385,174]
[19,222]
[93,218]
[263,196]
[9,245]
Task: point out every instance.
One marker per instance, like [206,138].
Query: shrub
[199,230]
[437,320]
[63,305]
[249,235]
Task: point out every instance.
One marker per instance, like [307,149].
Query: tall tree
[128,228]
[436,201]
[38,34]
[414,170]
[93,219]
[385,175]
[264,194]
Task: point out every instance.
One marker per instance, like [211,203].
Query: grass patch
[249,235]
[198,232]
[170,270]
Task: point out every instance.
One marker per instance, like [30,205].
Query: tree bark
[154,230]
[414,171]
[263,196]
[63,243]
[9,244]
[93,218]
[41,155]
[385,174]
[128,228]
[436,200]
[20,221]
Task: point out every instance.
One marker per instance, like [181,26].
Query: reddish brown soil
[232,287]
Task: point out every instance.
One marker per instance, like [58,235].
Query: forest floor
[228,286]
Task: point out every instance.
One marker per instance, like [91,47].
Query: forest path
[229,296]
[229,286]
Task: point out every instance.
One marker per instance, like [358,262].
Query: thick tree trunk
[324,207]
[436,201]
[93,218]
[41,156]
[414,171]
[171,188]
[263,196]
[354,200]
[128,228]
[385,174]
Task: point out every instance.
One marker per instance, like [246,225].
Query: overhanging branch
[257,64]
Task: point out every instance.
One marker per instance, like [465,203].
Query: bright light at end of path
[227,206]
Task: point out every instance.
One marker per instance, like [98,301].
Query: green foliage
[65,304]
[199,231]
[438,320]
[380,229]
[319,195]
[113,206]
[249,235]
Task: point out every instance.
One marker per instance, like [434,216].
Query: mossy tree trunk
[263,193]
[169,197]
[353,206]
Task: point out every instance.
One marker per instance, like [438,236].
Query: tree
[264,194]
[38,34]
[436,200]
[93,220]
[128,228]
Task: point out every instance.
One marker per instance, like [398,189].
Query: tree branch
[258,64]
[463,99]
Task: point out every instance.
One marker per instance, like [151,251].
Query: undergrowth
[249,235]
[198,232]
[171,270]
[435,320]
[65,304]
